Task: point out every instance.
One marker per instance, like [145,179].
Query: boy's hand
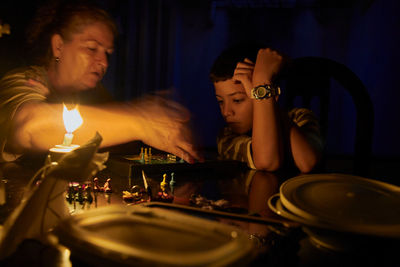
[244,73]
[267,65]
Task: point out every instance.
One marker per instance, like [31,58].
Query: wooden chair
[310,77]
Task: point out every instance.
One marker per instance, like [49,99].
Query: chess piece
[147,187]
[171,157]
[149,157]
[108,198]
[71,193]
[87,192]
[164,197]
[107,186]
[172,183]
[80,194]
[163,184]
[181,160]
[127,196]
[96,186]
[141,155]
[146,156]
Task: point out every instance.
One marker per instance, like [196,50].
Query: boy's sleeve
[14,91]
[235,147]
[308,123]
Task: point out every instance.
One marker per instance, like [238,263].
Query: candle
[68,139]
[72,121]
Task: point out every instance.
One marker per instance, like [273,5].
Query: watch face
[261,92]
[265,91]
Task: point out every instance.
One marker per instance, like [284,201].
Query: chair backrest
[309,77]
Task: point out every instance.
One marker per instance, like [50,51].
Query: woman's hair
[65,18]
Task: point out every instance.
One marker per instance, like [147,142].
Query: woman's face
[84,59]
[236,107]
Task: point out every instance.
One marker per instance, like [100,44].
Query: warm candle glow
[72,121]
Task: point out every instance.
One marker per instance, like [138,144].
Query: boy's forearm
[304,155]
[267,140]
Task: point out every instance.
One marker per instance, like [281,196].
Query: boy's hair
[226,62]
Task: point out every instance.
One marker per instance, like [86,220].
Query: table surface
[224,190]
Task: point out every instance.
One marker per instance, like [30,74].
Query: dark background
[172,44]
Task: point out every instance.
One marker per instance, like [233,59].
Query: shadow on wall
[172,44]
[361,35]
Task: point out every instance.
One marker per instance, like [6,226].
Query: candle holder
[55,153]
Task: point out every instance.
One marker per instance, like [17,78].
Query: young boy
[257,131]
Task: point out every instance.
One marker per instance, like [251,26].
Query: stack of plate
[340,211]
[142,236]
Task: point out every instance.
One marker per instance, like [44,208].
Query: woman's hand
[164,125]
[267,65]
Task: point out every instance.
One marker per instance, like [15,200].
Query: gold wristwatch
[265,91]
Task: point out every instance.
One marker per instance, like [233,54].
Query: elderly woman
[72,44]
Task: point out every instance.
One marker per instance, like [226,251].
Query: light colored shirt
[15,90]
[235,146]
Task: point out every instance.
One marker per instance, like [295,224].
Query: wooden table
[245,192]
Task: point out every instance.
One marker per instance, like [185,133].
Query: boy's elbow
[307,166]
[268,165]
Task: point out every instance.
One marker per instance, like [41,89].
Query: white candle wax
[68,139]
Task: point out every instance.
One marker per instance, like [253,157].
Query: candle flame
[72,119]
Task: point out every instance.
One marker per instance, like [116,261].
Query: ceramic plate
[344,202]
[144,236]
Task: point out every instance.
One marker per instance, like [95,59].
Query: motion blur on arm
[71,44]
[258,131]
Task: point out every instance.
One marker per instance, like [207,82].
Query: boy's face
[236,107]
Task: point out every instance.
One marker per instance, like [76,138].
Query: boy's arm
[267,138]
[267,141]
[305,140]
[304,155]
[267,134]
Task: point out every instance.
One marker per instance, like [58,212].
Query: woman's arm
[38,126]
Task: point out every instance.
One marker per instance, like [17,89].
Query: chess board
[154,159]
[132,165]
